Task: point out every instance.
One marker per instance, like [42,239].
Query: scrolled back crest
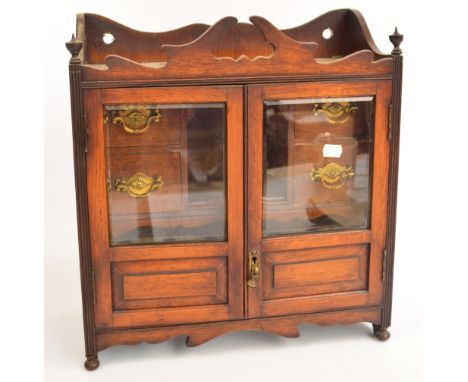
[229,48]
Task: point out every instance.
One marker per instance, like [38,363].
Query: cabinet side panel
[393,186]
[79,146]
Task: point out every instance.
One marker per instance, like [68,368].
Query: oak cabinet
[233,177]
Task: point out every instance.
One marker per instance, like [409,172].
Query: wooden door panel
[338,265]
[311,272]
[169,283]
[164,282]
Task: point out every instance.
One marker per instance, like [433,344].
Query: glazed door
[317,196]
[166,212]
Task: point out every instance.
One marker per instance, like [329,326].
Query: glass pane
[317,165]
[166,173]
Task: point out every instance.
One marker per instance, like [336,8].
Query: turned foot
[381,333]
[91,363]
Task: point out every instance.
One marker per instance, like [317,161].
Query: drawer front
[143,125]
[308,157]
[154,163]
[312,120]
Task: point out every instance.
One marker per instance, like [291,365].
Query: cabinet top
[334,44]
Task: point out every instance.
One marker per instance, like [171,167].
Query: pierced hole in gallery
[327,33]
[108,38]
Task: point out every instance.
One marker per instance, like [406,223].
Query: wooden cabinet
[233,177]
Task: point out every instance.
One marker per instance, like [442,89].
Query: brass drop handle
[332,176]
[138,185]
[253,268]
[136,120]
[335,112]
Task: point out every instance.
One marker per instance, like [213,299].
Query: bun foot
[91,363]
[381,333]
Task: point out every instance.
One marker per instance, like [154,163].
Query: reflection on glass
[317,165]
[165,167]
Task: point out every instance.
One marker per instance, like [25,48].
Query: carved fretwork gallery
[233,177]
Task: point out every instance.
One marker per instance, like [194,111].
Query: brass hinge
[390,121]
[86,135]
[384,264]
[93,281]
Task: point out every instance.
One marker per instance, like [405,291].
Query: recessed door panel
[169,283]
[315,271]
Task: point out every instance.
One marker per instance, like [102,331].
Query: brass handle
[138,185]
[333,175]
[136,120]
[253,268]
[336,112]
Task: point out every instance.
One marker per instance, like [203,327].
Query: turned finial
[74,47]
[396,38]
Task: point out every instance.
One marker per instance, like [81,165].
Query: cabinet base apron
[197,334]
